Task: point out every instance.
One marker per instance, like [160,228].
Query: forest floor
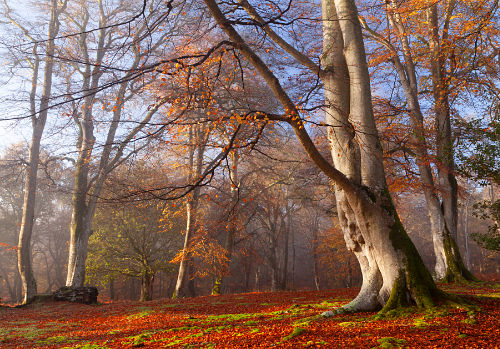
[252,320]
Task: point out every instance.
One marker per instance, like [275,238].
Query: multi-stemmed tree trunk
[448,265]
[88,187]
[393,272]
[198,138]
[38,120]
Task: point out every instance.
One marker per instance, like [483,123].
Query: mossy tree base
[456,271]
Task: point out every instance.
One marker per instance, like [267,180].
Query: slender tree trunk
[315,251]
[284,272]
[38,125]
[466,233]
[183,275]
[197,140]
[257,279]
[24,245]
[273,262]
[230,232]
[455,268]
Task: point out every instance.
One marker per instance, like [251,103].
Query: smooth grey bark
[448,259]
[456,271]
[393,272]
[444,140]
[38,120]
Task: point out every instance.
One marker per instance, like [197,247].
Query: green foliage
[478,148]
[133,240]
[488,210]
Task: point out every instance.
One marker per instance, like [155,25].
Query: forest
[300,160]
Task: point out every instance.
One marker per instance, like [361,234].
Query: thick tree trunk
[273,263]
[228,246]
[447,258]
[147,287]
[82,213]
[393,272]
[112,294]
[80,222]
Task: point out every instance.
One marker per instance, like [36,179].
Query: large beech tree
[393,272]
[442,213]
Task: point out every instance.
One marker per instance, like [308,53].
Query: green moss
[415,280]
[217,287]
[420,323]
[489,295]
[143,312]
[314,343]
[391,342]
[348,324]
[297,331]
[139,340]
[456,271]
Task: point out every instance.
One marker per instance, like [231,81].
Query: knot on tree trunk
[85,295]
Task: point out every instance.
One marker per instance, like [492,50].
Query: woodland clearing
[254,320]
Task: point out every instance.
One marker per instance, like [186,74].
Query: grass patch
[391,342]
